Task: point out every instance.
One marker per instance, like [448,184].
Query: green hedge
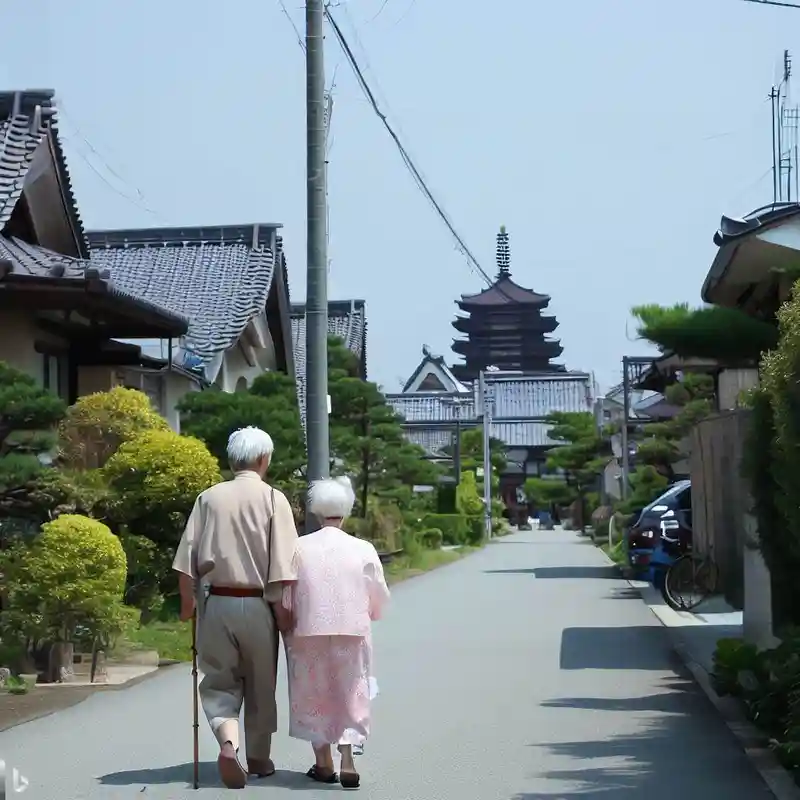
[454,527]
[475,533]
[457,529]
[432,538]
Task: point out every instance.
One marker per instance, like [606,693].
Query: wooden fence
[720,497]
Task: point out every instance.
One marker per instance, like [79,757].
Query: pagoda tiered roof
[504,325]
[504,292]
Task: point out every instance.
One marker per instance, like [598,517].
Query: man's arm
[184,562]
[282,559]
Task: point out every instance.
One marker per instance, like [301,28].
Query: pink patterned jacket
[340,586]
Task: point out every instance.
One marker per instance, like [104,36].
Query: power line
[773,3]
[412,168]
[294,27]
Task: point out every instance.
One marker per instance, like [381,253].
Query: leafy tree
[366,435]
[71,576]
[544,492]
[723,334]
[646,484]
[97,424]
[772,463]
[271,404]
[154,481]
[28,416]
[581,457]
[663,444]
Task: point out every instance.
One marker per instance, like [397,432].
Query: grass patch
[616,553]
[172,639]
[407,566]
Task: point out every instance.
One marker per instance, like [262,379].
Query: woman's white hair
[332,498]
[247,446]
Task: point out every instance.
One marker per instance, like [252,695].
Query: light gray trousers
[237,652]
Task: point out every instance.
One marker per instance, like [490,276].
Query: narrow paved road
[524,671]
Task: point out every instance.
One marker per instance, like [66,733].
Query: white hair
[247,446]
[332,498]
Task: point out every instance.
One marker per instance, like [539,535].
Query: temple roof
[504,291]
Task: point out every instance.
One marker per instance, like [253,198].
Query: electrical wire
[407,160]
[138,200]
[779,3]
[294,27]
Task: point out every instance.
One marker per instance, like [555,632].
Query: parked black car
[644,535]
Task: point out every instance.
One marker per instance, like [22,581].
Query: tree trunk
[60,667]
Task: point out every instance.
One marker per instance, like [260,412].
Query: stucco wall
[732,382]
[19,335]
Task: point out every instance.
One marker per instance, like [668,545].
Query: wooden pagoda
[504,326]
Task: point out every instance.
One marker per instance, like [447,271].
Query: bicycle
[690,580]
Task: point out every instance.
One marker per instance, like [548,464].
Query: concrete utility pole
[486,429]
[317,435]
[626,412]
[631,370]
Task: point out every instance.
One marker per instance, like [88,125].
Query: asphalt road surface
[527,670]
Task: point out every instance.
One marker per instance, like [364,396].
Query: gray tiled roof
[217,277]
[31,261]
[519,407]
[523,434]
[432,407]
[432,440]
[27,118]
[346,319]
[538,396]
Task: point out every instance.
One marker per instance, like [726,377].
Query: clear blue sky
[608,137]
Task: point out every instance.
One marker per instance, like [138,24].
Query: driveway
[527,670]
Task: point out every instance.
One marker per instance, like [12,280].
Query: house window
[55,374]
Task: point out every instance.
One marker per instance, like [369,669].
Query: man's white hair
[332,498]
[247,446]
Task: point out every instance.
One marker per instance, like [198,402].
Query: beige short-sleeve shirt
[227,537]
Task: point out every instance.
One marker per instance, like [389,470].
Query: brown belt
[235,591]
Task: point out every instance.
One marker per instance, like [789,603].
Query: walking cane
[195,710]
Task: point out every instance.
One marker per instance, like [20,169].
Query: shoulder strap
[269,533]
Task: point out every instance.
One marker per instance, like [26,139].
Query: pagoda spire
[503,254]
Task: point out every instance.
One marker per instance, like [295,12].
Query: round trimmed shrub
[155,479]
[72,574]
[432,539]
[96,426]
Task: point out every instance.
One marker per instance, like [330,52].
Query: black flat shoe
[319,776]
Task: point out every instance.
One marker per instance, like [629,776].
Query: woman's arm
[376,586]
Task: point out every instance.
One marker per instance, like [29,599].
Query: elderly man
[240,544]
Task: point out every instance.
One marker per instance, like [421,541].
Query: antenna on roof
[503,254]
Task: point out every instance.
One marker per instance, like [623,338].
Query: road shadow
[624,593]
[181,775]
[639,647]
[679,748]
[561,573]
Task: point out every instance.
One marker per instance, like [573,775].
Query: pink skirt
[330,688]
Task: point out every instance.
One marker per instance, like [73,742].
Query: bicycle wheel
[689,581]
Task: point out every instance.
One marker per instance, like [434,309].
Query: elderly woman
[339,591]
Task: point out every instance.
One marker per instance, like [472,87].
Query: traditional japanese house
[434,405]
[504,326]
[347,320]
[163,310]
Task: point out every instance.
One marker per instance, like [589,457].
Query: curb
[779,781]
[750,739]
